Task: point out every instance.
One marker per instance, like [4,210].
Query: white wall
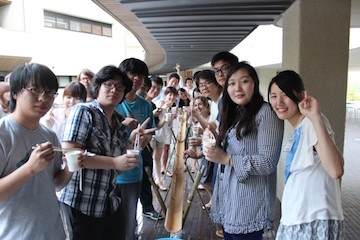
[65,52]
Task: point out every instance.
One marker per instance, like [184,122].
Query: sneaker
[153,215]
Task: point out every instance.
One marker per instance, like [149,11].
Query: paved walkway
[351,179]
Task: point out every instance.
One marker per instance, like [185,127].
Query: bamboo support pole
[173,219]
[191,195]
[155,188]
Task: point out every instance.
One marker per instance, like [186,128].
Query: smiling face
[241,87]
[182,95]
[200,108]
[208,88]
[284,107]
[173,82]
[170,99]
[189,84]
[154,91]
[69,101]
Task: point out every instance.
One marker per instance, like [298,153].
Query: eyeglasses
[85,79]
[222,70]
[110,85]
[40,92]
[206,84]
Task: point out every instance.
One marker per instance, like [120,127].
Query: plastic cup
[209,142]
[72,160]
[132,151]
[167,117]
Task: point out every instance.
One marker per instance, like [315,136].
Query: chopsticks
[59,149]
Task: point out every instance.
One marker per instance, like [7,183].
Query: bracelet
[230,161]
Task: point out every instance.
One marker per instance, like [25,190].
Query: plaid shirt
[88,125]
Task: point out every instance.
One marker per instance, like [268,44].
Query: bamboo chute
[174,213]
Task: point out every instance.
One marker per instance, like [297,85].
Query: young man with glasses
[89,200]
[221,63]
[133,107]
[30,170]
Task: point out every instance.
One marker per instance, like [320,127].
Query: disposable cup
[72,160]
[132,151]
[167,117]
[210,142]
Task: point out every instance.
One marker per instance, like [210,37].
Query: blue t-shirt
[139,109]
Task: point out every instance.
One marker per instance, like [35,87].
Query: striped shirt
[88,125]
[244,195]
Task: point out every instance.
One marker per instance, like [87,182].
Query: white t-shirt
[59,124]
[310,193]
[214,109]
[163,134]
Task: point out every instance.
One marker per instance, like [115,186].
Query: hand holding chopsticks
[139,133]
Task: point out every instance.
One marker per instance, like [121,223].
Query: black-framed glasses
[110,85]
[40,92]
[222,70]
[206,84]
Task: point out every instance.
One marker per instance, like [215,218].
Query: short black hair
[134,66]
[106,73]
[209,75]
[39,75]
[225,56]
[158,80]
[196,78]
[175,75]
[147,82]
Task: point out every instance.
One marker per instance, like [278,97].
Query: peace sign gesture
[142,132]
[309,106]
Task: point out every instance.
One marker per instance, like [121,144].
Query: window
[61,21]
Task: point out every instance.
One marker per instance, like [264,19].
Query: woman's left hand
[215,154]
[309,106]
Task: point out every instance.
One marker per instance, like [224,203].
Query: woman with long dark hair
[248,149]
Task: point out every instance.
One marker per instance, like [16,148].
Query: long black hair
[243,116]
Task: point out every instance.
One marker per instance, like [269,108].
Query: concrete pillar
[316,45]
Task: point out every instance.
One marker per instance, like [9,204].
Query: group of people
[104,113]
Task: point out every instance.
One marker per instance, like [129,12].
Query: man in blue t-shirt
[136,109]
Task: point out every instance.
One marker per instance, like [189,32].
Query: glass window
[107,31]
[96,29]
[85,27]
[57,20]
[63,80]
[62,23]
[49,21]
[75,26]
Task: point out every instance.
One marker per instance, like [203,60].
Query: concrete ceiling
[191,32]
